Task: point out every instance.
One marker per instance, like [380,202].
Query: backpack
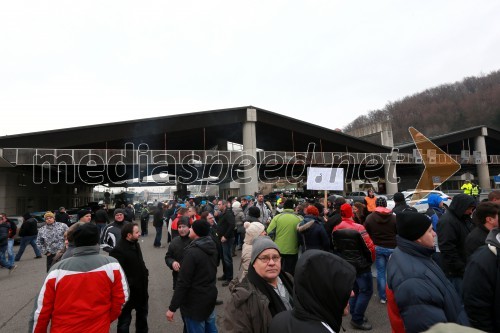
[144,214]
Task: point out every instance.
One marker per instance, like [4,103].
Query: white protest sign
[329,179]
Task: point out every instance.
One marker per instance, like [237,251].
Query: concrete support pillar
[181,190]
[391,178]
[483,172]
[251,175]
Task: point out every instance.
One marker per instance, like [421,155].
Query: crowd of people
[303,267]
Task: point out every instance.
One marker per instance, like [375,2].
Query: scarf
[275,304]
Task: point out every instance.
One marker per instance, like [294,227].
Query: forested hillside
[449,107]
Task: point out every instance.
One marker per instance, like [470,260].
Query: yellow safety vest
[467,188]
[475,190]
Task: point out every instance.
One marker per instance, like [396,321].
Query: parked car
[332,197]
[359,196]
[418,199]
[18,220]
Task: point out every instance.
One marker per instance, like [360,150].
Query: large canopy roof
[197,131]
[206,131]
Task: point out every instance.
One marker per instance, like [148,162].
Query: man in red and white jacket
[84,293]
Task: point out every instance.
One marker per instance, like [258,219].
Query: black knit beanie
[412,225]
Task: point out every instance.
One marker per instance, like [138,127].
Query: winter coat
[102,291]
[334,219]
[101,216]
[246,252]
[175,252]
[475,239]
[29,228]
[422,293]
[349,245]
[63,217]
[4,233]
[452,229]
[352,243]
[195,293]
[239,219]
[284,227]
[176,249]
[381,226]
[312,234]
[225,224]
[265,213]
[129,255]
[247,310]
[317,301]
[50,237]
[111,235]
[481,285]
[158,218]
[129,214]
[399,207]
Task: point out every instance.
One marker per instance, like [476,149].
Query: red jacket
[175,222]
[350,224]
[73,299]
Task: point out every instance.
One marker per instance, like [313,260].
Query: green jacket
[283,230]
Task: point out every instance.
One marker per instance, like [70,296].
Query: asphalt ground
[19,289]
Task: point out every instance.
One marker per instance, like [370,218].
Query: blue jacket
[423,294]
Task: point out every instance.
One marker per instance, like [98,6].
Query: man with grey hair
[265,213]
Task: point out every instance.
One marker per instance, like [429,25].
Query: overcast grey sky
[67,63]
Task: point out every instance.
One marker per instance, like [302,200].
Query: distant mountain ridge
[446,108]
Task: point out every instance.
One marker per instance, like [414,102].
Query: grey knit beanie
[260,244]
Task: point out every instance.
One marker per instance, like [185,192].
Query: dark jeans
[144,227]
[157,241]
[141,317]
[239,237]
[363,290]
[24,242]
[288,262]
[227,262]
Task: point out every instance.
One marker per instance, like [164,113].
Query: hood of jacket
[252,219]
[434,200]
[206,244]
[323,284]
[384,214]
[460,204]
[493,238]
[237,210]
[307,223]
